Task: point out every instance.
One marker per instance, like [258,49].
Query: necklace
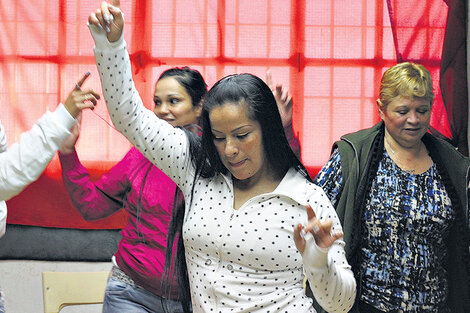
[398,160]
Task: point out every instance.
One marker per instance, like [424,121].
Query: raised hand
[283,100]
[78,99]
[109,18]
[321,232]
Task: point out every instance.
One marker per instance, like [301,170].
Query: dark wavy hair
[191,80]
[251,91]
[242,89]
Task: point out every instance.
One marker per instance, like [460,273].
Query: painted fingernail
[303,233]
[107,29]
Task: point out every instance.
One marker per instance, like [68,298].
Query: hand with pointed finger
[109,18]
[79,99]
[283,100]
[321,232]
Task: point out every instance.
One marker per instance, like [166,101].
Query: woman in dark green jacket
[401,195]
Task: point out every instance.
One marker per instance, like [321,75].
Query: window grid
[218,54]
[333,76]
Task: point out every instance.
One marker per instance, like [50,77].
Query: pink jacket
[146,194]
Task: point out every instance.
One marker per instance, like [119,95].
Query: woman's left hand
[321,232]
[283,100]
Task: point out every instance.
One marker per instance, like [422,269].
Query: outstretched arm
[165,146]
[93,199]
[26,160]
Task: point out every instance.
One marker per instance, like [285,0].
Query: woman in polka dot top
[254,223]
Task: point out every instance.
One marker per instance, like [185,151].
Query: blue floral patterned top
[405,221]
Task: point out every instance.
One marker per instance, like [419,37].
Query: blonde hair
[406,80]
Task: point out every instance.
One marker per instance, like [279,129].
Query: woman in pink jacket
[146,194]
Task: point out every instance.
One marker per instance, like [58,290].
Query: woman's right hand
[321,231]
[68,145]
[108,18]
[78,99]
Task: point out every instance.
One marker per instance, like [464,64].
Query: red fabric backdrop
[454,73]
[331,54]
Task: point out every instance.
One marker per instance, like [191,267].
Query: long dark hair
[241,89]
[249,90]
[193,82]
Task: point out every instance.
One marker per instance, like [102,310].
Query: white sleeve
[328,272]
[3,139]
[165,146]
[3,205]
[24,162]
[3,217]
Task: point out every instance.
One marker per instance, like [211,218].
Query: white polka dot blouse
[241,260]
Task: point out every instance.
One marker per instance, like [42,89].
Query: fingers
[298,239]
[93,93]
[322,231]
[87,105]
[336,236]
[93,20]
[310,212]
[269,79]
[101,21]
[285,96]
[282,96]
[314,224]
[297,232]
[86,95]
[107,16]
[289,101]
[96,18]
[326,226]
[81,81]
[86,101]
[89,95]
[278,91]
[116,3]
[77,100]
[114,10]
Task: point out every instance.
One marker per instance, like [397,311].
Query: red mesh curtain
[330,53]
[418,30]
